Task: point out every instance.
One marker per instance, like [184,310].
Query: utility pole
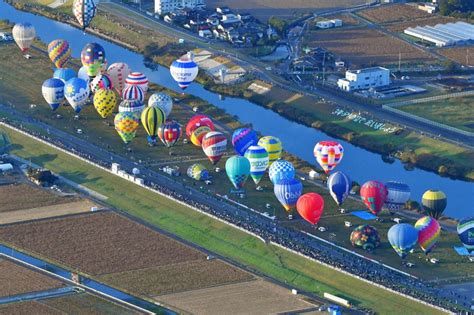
[324,68]
[467,57]
[399,61]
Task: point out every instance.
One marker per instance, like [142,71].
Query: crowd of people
[271,231]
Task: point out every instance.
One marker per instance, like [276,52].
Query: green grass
[455,112]
[212,234]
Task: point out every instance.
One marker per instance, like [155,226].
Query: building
[329,23]
[167,6]
[364,79]
[459,33]
[428,7]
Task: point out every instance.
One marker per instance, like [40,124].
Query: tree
[278,24]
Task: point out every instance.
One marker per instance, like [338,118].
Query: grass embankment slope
[212,234]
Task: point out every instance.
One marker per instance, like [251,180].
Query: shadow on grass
[79,177]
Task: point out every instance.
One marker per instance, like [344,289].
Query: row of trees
[457,8]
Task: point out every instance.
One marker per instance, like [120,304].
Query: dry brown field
[431,21]
[393,13]
[463,55]
[25,308]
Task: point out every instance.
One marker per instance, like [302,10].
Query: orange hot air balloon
[310,206]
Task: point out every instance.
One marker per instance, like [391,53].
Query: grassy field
[393,13]
[456,112]
[214,235]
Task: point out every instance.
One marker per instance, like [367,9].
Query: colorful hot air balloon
[82,74]
[287,192]
[434,202]
[84,11]
[133,93]
[59,52]
[197,128]
[328,154]
[93,58]
[152,118]
[402,237]
[214,145]
[134,107]
[76,92]
[428,233]
[273,146]
[105,101]
[373,194]
[238,170]
[258,158]
[242,139]
[23,34]
[126,126]
[310,206]
[101,81]
[138,79]
[198,172]
[366,237]
[466,233]
[118,72]
[53,92]
[163,101]
[184,71]
[64,74]
[398,195]
[169,133]
[339,185]
[281,170]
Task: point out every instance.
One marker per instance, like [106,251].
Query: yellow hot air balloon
[105,101]
[273,146]
[152,118]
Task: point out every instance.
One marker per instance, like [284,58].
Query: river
[360,164]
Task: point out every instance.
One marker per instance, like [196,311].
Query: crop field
[462,55]
[431,21]
[393,13]
[363,47]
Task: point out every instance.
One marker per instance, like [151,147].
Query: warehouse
[459,33]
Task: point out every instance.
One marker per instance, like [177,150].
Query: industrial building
[167,6]
[329,23]
[364,79]
[459,33]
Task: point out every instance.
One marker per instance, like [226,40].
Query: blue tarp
[364,215]
[461,250]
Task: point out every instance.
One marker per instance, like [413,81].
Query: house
[245,17]
[223,10]
[324,24]
[428,7]
[167,6]
[230,18]
[364,79]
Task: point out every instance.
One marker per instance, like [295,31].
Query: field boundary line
[432,98]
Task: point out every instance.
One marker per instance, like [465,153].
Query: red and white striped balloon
[214,145]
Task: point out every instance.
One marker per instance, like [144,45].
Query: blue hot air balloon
[238,170]
[287,192]
[244,138]
[397,195]
[339,185]
[64,74]
[77,93]
[402,237]
[466,233]
[184,71]
[53,92]
[281,170]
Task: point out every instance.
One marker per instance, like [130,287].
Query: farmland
[462,55]
[393,13]
[431,21]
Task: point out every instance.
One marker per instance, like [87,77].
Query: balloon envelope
[197,128]
[373,194]
[138,79]
[101,81]
[76,93]
[434,202]
[214,145]
[133,93]
[397,195]
[428,233]
[198,172]
[126,126]
[402,237]
[104,102]
[93,58]
[366,237]
[242,139]
[152,118]
[163,101]
[169,133]
[53,92]
[328,154]
[59,52]
[84,11]
[273,146]
[118,72]
[64,74]
[259,160]
[287,192]
[184,71]
[238,169]
[310,206]
[339,185]
[281,170]
[466,233]
[23,34]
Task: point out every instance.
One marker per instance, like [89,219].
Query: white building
[167,6]
[459,33]
[364,79]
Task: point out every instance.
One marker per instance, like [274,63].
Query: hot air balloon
[328,154]
[133,93]
[76,92]
[214,145]
[169,133]
[82,74]
[242,139]
[184,71]
[126,126]
[84,11]
[197,128]
[434,202]
[287,192]
[53,92]
[105,101]
[428,233]
[101,81]
[466,233]
[59,52]
[366,237]
[93,58]
[339,185]
[152,118]
[163,101]
[398,195]
[281,170]
[238,169]
[134,107]
[198,172]
[23,34]
[258,158]
[118,72]
[310,206]
[64,74]
[373,194]
[402,237]
[137,79]
[273,146]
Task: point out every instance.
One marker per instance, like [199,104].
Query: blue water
[361,165]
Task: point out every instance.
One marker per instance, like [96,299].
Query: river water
[361,165]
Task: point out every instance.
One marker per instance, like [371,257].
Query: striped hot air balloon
[273,146]
[238,170]
[214,145]
[243,138]
[126,126]
[281,170]
[287,192]
[53,92]
[258,158]
[428,233]
[133,93]
[59,52]
[434,202]
[328,154]
[169,133]
[152,118]
[101,81]
[138,79]
[197,128]
[104,102]
[163,101]
[184,71]
[466,233]
[23,34]
[118,72]
[134,107]
[398,195]
[373,194]
[339,185]
[84,11]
